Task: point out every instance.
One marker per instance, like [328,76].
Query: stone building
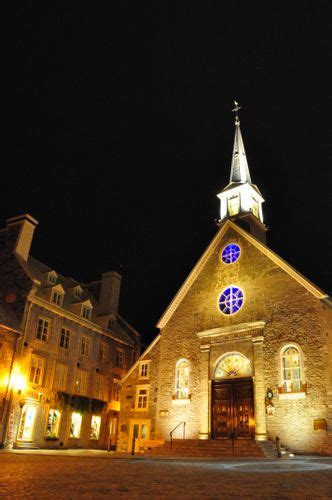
[245,347]
[74,348]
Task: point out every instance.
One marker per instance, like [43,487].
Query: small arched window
[291,369]
[182,379]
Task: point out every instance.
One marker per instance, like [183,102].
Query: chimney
[109,293]
[20,231]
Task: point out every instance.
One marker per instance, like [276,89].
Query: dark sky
[125,135]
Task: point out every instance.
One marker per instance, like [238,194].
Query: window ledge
[292,395]
[181,402]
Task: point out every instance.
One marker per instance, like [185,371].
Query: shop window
[182,379]
[119,360]
[75,425]
[142,397]
[36,370]
[43,327]
[144,369]
[60,377]
[85,346]
[95,427]
[291,369]
[53,424]
[81,383]
[65,338]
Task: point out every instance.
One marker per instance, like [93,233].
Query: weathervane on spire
[235,110]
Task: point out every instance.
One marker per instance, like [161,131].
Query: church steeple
[240,200]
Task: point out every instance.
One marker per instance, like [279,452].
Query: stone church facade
[245,347]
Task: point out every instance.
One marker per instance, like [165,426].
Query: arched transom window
[291,369]
[233,364]
[182,379]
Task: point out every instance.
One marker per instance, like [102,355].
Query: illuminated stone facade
[72,352]
[282,329]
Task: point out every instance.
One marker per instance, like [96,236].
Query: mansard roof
[302,280]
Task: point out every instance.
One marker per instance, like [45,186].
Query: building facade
[245,347]
[73,349]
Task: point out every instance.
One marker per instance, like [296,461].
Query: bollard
[278,447]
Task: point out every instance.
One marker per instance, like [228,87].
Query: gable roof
[135,365]
[313,289]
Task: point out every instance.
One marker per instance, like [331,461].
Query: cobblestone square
[96,475]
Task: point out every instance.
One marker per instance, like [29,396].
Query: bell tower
[241,201]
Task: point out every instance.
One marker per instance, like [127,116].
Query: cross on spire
[235,110]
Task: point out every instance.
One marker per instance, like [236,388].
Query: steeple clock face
[230,253]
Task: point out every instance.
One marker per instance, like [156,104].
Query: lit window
[100,387]
[182,380]
[103,351]
[81,383]
[85,346]
[57,298]
[231,300]
[65,338]
[75,425]
[230,253]
[291,369]
[142,397]
[53,423]
[144,369]
[95,427]
[27,421]
[86,312]
[234,205]
[119,360]
[36,370]
[116,390]
[233,365]
[60,377]
[42,329]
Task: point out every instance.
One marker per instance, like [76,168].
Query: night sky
[125,135]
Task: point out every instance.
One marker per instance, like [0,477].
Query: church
[245,347]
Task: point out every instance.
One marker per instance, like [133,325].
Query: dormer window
[78,292]
[86,312]
[57,298]
[52,277]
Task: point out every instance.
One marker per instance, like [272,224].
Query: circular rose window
[230,253]
[231,300]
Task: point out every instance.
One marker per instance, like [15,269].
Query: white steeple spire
[239,168]
[240,198]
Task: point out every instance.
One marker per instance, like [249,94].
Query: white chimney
[20,231]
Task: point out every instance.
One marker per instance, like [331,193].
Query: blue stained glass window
[231,300]
[230,253]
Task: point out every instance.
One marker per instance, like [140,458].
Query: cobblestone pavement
[95,475]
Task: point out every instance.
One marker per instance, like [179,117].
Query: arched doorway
[233,398]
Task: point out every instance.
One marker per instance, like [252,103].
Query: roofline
[147,350]
[313,289]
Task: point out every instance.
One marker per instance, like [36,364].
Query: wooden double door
[233,409]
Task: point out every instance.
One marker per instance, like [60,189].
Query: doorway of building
[27,421]
[139,429]
[233,409]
